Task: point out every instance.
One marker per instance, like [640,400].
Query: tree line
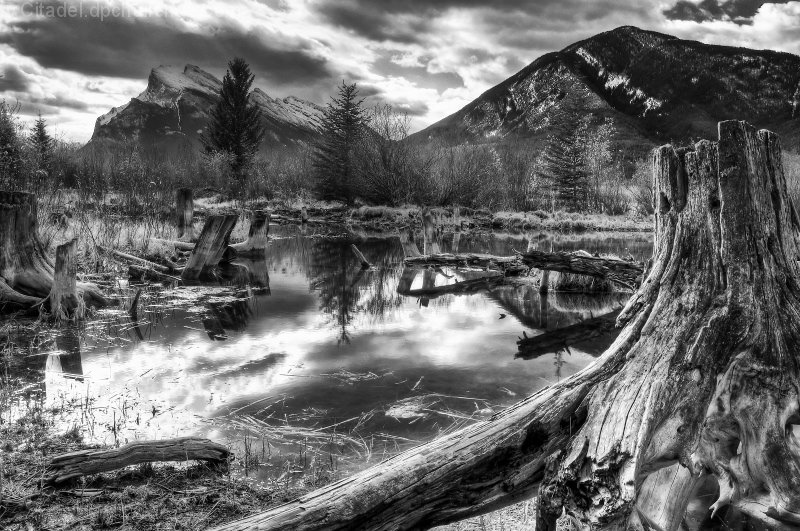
[362,155]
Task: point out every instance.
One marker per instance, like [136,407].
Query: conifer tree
[235,127]
[10,151]
[344,123]
[42,143]
[562,164]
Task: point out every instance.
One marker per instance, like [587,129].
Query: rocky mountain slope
[174,109]
[653,87]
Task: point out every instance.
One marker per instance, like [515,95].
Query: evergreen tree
[42,143]
[344,122]
[562,165]
[235,127]
[10,151]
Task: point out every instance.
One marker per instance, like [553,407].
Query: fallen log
[508,265]
[146,264]
[257,235]
[72,465]
[704,376]
[473,285]
[622,272]
[561,338]
[26,272]
[361,258]
[210,246]
[179,245]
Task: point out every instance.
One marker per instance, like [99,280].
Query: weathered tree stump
[703,380]
[210,246]
[84,462]
[26,272]
[184,213]
[430,233]
[303,215]
[257,235]
[63,298]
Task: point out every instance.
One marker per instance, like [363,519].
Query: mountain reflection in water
[304,338]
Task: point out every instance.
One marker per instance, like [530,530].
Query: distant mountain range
[653,87]
[175,108]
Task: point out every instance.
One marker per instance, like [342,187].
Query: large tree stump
[702,381]
[84,462]
[184,214]
[257,235]
[210,246]
[26,272]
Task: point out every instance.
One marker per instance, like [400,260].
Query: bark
[430,233]
[63,298]
[474,285]
[257,236]
[84,462]
[26,272]
[622,272]
[184,213]
[210,247]
[704,379]
[509,265]
[410,248]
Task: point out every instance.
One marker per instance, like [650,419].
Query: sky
[73,61]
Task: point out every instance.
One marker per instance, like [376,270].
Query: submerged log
[84,462]
[210,246]
[63,298]
[257,235]
[705,375]
[184,213]
[26,272]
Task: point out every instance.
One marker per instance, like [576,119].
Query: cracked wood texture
[26,272]
[210,247]
[701,383]
[64,467]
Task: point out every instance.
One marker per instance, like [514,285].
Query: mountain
[653,87]
[175,106]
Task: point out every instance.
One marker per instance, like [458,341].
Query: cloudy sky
[73,61]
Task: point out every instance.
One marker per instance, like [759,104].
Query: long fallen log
[72,465]
[622,272]
[125,257]
[509,265]
[473,285]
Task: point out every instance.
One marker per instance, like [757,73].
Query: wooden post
[210,246]
[257,235]
[431,243]
[63,298]
[303,215]
[184,212]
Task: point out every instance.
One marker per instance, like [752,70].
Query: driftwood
[702,382]
[179,245]
[210,246]
[26,272]
[184,213]
[561,338]
[143,263]
[474,285]
[361,258]
[84,462]
[257,235]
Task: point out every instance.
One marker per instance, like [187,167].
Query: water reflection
[304,338]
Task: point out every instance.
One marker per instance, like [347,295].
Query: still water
[303,349]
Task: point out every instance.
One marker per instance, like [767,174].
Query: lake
[299,357]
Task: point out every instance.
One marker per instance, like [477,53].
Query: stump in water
[431,241]
[257,235]
[702,382]
[26,273]
[210,246]
[64,301]
[184,212]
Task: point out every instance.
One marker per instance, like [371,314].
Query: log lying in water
[463,287]
[704,376]
[257,235]
[26,272]
[84,462]
[361,258]
[622,272]
[509,265]
[210,246]
[561,338]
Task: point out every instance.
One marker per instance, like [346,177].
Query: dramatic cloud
[737,11]
[426,57]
